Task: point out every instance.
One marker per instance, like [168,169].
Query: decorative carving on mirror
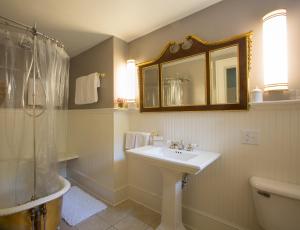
[197,75]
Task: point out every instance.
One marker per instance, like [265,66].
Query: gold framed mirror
[197,75]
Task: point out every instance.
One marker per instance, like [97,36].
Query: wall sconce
[275,51]
[131,73]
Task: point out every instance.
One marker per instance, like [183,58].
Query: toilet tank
[277,204]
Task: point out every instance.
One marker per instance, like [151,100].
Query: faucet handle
[171,144]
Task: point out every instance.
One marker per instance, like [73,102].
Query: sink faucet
[180,145]
[173,144]
[176,145]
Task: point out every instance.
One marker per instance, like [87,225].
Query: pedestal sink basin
[173,164]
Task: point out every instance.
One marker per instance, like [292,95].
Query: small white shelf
[126,110]
[67,157]
[282,102]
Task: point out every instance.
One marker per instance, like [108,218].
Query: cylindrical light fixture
[131,81]
[275,51]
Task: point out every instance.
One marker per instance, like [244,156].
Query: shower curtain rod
[32,29]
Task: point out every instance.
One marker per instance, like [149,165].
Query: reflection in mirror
[151,86]
[184,81]
[224,76]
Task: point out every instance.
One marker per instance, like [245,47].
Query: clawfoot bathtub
[41,214]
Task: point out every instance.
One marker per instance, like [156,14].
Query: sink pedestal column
[171,217]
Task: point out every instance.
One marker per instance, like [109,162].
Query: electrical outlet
[250,137]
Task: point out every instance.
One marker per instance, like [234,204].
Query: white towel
[86,89]
[129,140]
[142,139]
[136,139]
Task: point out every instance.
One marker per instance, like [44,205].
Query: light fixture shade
[275,51]
[131,81]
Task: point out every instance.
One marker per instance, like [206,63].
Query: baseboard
[146,198]
[120,195]
[143,204]
[109,195]
[192,218]
[195,219]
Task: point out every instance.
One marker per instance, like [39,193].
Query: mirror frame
[244,42]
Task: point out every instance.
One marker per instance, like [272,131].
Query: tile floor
[126,216]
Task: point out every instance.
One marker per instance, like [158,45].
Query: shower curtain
[34,74]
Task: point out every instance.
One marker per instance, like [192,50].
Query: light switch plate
[250,137]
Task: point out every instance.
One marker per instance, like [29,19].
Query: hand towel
[86,89]
[142,139]
[129,140]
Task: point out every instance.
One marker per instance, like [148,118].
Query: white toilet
[277,204]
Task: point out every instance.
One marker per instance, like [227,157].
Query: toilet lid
[276,187]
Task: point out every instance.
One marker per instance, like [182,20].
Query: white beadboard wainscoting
[97,136]
[91,137]
[220,197]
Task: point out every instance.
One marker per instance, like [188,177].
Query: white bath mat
[78,206]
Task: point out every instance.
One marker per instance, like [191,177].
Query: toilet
[277,204]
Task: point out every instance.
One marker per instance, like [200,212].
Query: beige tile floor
[126,216]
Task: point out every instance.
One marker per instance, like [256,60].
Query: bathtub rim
[12,210]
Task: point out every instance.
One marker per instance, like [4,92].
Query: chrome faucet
[176,145]
[173,145]
[180,145]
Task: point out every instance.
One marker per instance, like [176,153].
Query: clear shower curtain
[27,122]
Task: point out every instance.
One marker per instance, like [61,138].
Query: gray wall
[223,20]
[97,59]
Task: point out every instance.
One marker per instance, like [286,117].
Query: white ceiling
[81,24]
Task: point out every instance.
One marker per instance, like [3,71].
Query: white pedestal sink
[173,165]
